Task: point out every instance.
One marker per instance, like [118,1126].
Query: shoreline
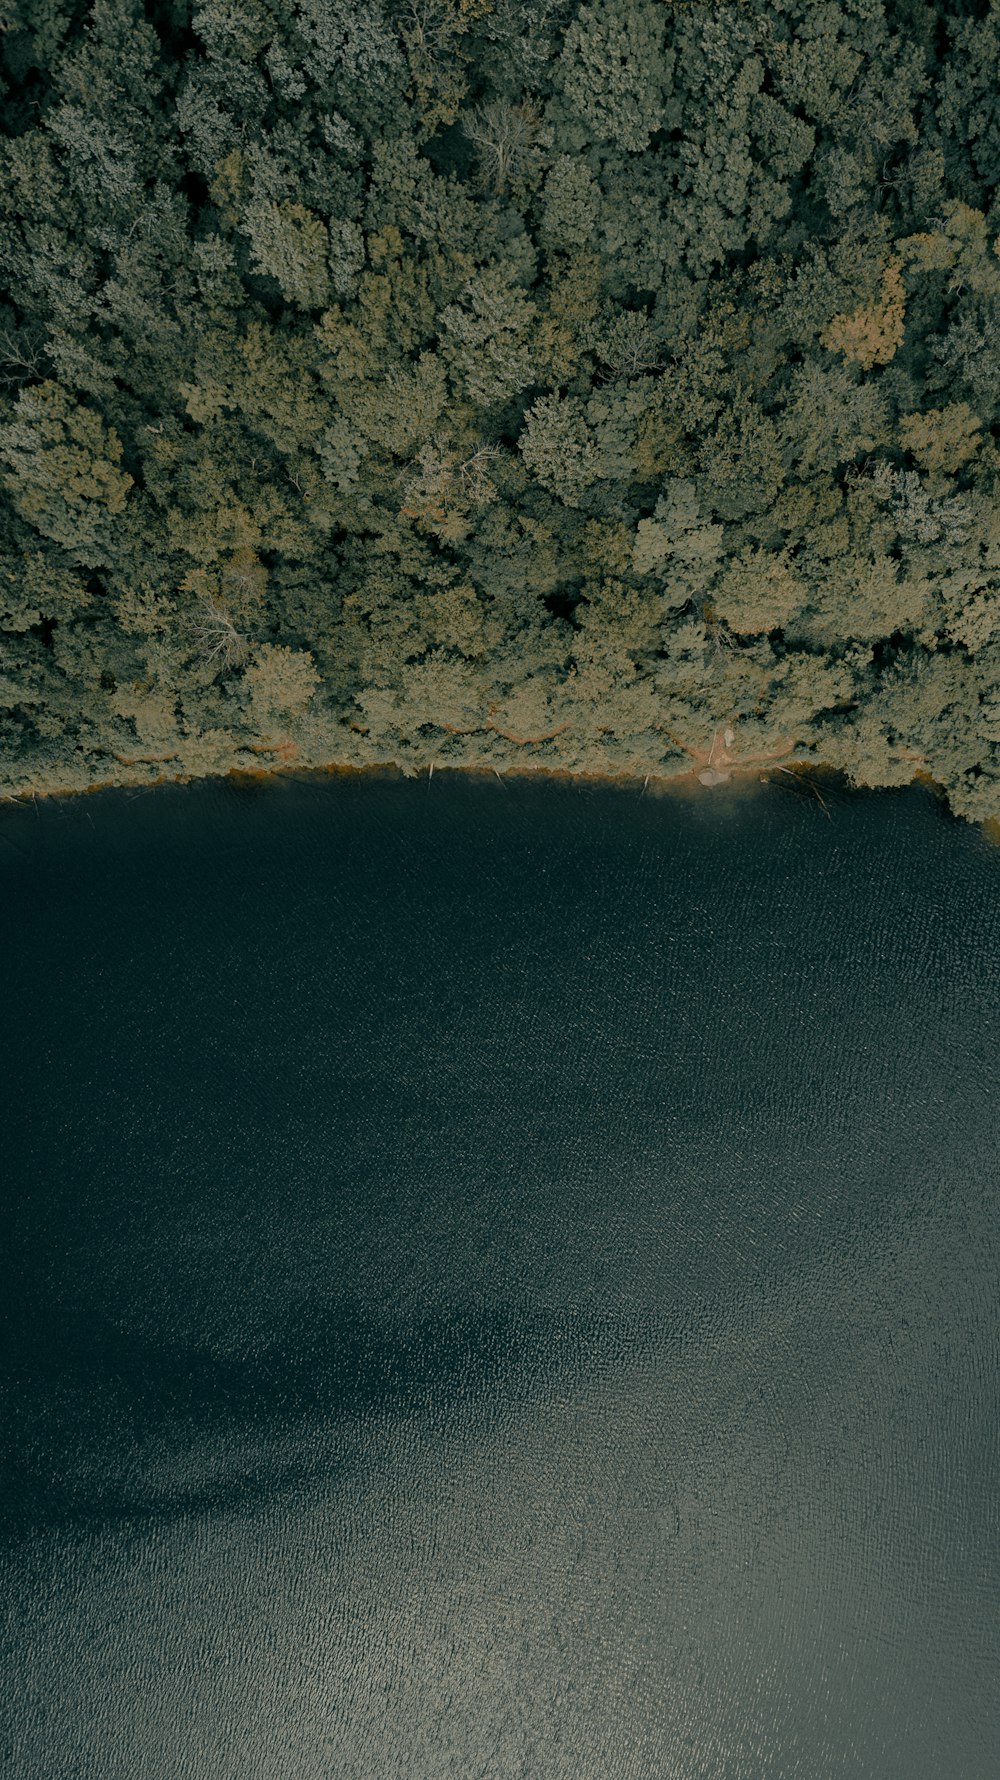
[690,780]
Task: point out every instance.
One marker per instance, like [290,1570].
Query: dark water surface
[499,1282]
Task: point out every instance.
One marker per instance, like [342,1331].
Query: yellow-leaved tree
[943,439]
[62,471]
[872,334]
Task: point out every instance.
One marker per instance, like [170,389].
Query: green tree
[615,70]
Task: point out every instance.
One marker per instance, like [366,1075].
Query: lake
[499,1280]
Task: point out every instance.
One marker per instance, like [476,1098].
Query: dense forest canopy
[613,385]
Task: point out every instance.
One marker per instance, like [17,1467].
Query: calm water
[499,1282]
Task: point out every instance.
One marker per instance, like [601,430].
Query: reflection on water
[500,1282]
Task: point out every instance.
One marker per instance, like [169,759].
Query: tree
[488,338]
[758,591]
[615,70]
[62,471]
[943,438]
[678,545]
[872,334]
[504,134]
[292,246]
[281,681]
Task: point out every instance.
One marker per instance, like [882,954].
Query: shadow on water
[93,1414]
